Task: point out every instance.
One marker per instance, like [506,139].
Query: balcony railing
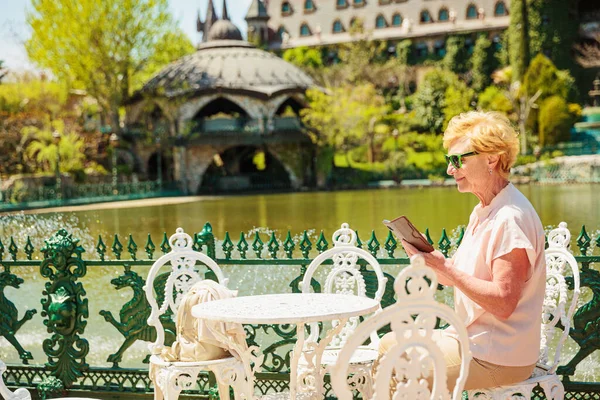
[245,125]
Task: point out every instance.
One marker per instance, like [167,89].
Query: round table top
[287,308]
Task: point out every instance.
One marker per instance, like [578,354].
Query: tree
[553,29]
[518,38]
[43,149]
[170,47]
[455,59]
[344,117]
[101,47]
[304,57]
[358,55]
[458,98]
[494,98]
[555,120]
[481,63]
[543,75]
[429,100]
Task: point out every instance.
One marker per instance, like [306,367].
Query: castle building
[284,24]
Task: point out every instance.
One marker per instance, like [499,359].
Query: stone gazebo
[229,115]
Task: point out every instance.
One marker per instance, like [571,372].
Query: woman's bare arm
[499,296]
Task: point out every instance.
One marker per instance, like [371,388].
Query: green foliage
[170,47]
[456,56]
[555,120]
[553,29]
[304,57]
[358,55]
[518,38]
[430,99]
[403,51]
[494,98]
[543,75]
[33,95]
[101,47]
[345,116]
[42,150]
[424,152]
[459,99]
[481,63]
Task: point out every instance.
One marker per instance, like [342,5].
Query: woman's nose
[450,170]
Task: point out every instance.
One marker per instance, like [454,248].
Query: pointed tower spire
[211,18]
[199,23]
[225,13]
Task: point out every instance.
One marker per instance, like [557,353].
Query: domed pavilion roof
[224,30]
[227,64]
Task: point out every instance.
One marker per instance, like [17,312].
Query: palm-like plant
[43,150]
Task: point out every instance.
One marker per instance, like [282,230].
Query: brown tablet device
[403,229]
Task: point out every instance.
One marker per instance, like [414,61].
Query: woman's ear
[493,160]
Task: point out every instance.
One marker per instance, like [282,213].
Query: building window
[341,3]
[354,22]
[421,50]
[309,6]
[396,20]
[439,48]
[358,3]
[286,8]
[500,9]
[380,22]
[304,30]
[338,27]
[425,17]
[472,12]
[443,15]
[469,45]
[384,2]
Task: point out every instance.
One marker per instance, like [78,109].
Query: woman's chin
[462,186]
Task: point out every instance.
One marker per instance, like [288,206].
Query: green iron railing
[16,199]
[62,263]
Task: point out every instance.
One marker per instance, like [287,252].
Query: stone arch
[234,168]
[218,105]
[291,102]
[166,164]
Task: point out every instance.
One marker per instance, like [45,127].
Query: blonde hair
[489,133]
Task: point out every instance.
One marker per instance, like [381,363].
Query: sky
[14,31]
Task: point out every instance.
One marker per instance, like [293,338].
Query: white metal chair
[416,355]
[345,277]
[19,394]
[557,308]
[170,378]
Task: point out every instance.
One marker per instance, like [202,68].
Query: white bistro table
[298,309]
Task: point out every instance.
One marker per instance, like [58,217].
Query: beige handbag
[195,340]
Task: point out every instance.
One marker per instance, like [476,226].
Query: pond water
[433,208]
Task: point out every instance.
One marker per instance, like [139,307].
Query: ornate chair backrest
[19,394]
[416,355]
[183,275]
[560,263]
[344,277]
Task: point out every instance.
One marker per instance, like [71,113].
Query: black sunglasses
[456,159]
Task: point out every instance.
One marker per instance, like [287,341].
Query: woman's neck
[495,186]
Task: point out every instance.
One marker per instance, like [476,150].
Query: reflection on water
[435,208]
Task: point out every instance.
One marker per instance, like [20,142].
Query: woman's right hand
[435,260]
